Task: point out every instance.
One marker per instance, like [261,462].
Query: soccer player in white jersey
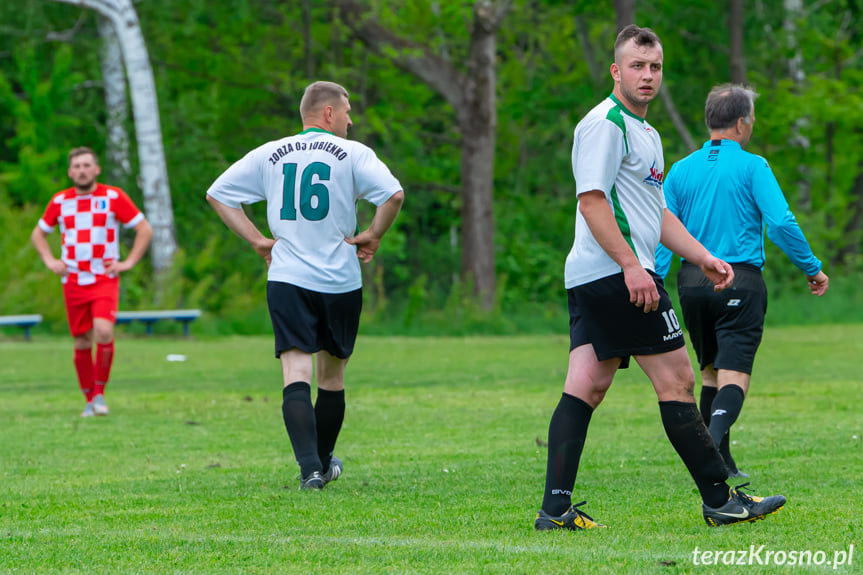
[89,215]
[618,307]
[311,183]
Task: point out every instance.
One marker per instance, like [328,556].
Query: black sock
[329,414]
[705,404]
[691,440]
[725,452]
[726,408]
[299,418]
[566,434]
[708,394]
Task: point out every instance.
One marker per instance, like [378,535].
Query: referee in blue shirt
[725,196]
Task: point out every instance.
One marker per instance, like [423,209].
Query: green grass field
[192,472]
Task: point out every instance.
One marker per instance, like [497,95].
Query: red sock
[104,359]
[84,369]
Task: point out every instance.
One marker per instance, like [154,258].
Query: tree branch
[410,57]
[678,122]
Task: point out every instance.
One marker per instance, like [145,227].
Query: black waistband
[737,266]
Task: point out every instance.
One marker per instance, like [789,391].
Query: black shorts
[600,313]
[312,321]
[725,327]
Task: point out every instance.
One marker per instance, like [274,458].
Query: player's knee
[596,397]
[83,341]
[104,334]
[591,390]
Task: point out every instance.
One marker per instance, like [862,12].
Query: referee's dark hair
[727,103]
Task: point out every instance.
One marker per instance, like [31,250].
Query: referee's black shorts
[725,327]
[601,314]
[313,321]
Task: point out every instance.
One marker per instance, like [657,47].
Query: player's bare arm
[239,223]
[40,242]
[600,219]
[143,236]
[676,238]
[368,241]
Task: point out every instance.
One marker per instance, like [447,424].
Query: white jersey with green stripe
[619,154]
[311,182]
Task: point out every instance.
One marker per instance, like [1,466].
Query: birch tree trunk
[114,80]
[472,94]
[148,131]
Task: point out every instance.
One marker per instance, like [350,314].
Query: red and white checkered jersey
[89,226]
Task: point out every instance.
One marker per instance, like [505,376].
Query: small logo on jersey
[655,177]
[712,155]
[100,205]
[733,302]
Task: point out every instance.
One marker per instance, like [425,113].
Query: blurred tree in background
[229,76]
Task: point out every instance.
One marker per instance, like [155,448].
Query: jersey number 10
[308,190]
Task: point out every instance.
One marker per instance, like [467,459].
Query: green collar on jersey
[307,130]
[624,109]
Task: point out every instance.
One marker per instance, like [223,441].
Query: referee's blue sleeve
[782,227]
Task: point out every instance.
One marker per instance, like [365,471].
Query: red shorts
[83,303]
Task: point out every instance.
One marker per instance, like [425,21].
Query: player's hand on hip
[116,267]
[642,288]
[264,248]
[367,245]
[719,272]
[818,283]
[58,267]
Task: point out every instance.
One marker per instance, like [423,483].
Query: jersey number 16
[308,190]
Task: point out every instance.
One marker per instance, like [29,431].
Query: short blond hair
[80,151]
[320,94]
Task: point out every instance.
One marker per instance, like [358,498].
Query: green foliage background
[229,77]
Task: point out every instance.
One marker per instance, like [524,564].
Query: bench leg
[27,332]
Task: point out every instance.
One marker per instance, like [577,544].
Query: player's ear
[615,72]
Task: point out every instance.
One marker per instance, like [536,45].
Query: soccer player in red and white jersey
[89,215]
